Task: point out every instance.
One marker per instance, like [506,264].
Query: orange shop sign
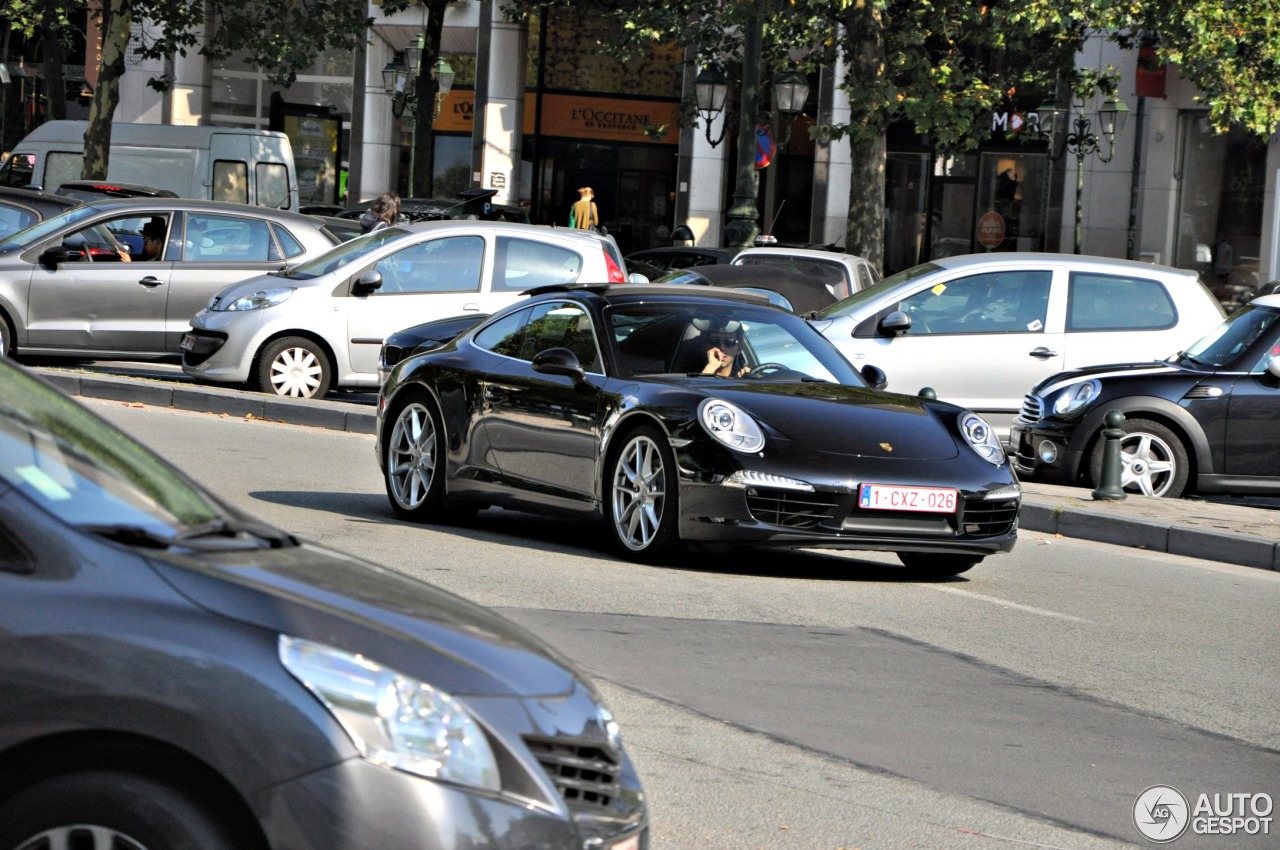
[991,230]
[575,117]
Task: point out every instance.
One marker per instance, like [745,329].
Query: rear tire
[123,811]
[641,501]
[935,565]
[295,367]
[1153,460]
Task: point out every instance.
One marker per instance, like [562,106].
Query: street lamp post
[400,82]
[1083,142]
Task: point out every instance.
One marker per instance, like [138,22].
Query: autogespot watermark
[1163,814]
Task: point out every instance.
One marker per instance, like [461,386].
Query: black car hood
[418,629]
[844,420]
[1160,369]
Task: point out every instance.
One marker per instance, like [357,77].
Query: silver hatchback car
[320,325]
[121,278]
[982,329]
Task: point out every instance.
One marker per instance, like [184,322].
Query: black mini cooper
[1203,421]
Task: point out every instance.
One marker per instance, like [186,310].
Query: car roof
[1269,301]
[196,205]
[960,261]
[115,189]
[535,231]
[807,253]
[651,292]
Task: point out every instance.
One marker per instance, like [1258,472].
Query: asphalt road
[820,700]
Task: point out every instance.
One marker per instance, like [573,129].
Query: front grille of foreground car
[1032,408]
[586,776]
[988,519]
[790,508]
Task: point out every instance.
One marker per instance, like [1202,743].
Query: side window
[555,325]
[61,167]
[231,181]
[563,326]
[504,336]
[13,219]
[524,264]
[273,185]
[451,264]
[1098,302]
[997,302]
[225,238]
[142,238]
[290,246]
[18,170]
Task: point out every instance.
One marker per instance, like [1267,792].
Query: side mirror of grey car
[52,257]
[874,376]
[896,323]
[560,361]
[370,281]
[1273,366]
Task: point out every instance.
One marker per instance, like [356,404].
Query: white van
[238,164]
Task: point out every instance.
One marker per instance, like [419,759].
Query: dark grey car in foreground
[175,675]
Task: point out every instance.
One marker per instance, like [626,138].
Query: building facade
[536,112]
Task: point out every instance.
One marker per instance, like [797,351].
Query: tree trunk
[864,46]
[424,168]
[116,21]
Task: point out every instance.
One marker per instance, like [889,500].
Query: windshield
[847,305]
[39,231]
[1223,345]
[345,253]
[86,472]
[764,343]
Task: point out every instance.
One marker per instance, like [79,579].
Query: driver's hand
[716,358]
[125,257]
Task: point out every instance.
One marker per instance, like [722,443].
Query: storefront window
[1221,179]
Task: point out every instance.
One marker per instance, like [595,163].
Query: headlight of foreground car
[731,426]
[1075,398]
[259,300]
[980,436]
[393,719]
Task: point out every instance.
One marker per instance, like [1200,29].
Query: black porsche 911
[1202,421]
[685,415]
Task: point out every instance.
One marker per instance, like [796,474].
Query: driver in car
[724,345]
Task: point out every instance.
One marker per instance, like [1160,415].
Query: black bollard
[1109,488]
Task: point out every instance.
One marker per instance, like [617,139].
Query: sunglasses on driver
[724,340]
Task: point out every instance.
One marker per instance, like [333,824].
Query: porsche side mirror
[559,361]
[636,277]
[370,281]
[874,376]
[895,324]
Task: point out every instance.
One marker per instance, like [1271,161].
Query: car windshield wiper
[215,535]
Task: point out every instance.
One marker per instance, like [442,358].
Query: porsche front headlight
[393,719]
[731,425]
[981,438]
[1075,398]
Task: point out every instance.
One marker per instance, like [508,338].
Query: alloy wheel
[411,456]
[638,493]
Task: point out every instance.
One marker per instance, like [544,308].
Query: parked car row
[286,303]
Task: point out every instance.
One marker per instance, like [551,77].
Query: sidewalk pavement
[1232,534]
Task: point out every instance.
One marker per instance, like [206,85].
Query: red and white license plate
[889,497]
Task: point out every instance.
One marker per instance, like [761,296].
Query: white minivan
[239,164]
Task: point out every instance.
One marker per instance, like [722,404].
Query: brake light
[615,273]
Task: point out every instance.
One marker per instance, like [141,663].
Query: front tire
[295,367]
[105,809]
[935,565]
[1153,460]
[414,465]
[641,500]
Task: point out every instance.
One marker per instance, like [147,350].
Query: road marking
[1005,603]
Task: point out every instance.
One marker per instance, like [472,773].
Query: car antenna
[767,238]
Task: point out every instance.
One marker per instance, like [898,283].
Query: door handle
[1042,353]
[151,281]
[494,394]
[471,307]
